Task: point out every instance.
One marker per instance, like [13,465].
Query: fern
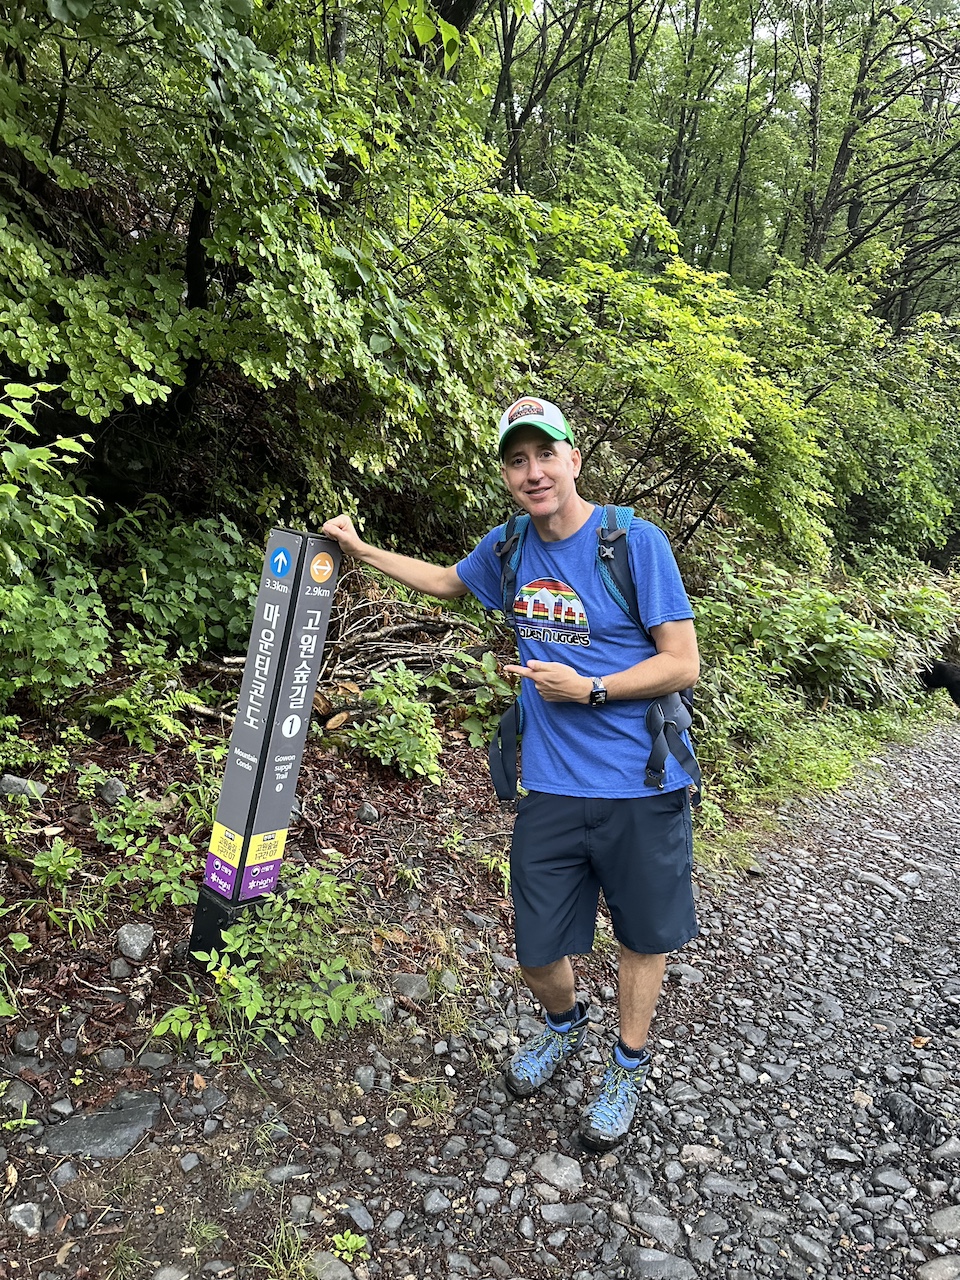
[145,713]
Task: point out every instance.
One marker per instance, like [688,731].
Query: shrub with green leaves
[276,973]
[191,583]
[53,627]
[146,713]
[403,732]
[478,691]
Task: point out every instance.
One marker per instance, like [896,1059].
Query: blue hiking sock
[629,1058]
[563,1021]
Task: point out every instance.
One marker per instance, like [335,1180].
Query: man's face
[540,473]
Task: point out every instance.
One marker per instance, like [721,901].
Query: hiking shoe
[607,1119]
[535,1063]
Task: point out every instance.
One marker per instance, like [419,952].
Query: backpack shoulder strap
[508,551]
[613,561]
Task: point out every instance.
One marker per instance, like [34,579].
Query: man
[589,820]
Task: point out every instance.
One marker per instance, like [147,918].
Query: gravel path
[804,1118]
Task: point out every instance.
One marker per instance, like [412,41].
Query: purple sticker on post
[259,877]
[219,876]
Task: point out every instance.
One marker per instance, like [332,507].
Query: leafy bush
[53,627]
[484,691]
[276,973]
[403,733]
[144,712]
[849,641]
[192,584]
[800,675]
[157,868]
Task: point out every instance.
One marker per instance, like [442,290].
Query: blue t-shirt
[564,613]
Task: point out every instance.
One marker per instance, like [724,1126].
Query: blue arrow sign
[280,562]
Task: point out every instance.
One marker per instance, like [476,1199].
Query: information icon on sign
[290,726]
[281,561]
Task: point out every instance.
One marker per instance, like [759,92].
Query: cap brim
[555,433]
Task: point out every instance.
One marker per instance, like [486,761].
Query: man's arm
[675,665]
[432,579]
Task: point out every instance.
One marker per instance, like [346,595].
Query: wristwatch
[598,694]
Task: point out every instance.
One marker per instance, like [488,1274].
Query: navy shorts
[566,849]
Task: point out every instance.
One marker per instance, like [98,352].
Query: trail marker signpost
[270,731]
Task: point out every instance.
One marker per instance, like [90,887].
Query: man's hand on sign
[555,681]
[341,529]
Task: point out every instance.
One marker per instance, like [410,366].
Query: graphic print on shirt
[548,610]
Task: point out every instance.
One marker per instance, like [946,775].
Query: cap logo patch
[524,409]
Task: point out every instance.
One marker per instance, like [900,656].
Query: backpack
[667,716]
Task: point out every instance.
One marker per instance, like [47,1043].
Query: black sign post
[270,731]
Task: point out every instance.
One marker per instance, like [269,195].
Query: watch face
[598,694]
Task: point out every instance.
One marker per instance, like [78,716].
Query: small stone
[173,1272]
[366,1078]
[367,813]
[190,1162]
[284,1172]
[16,1096]
[415,986]
[26,1217]
[11,785]
[810,1250]
[693,1153]
[360,1215]
[560,1171]
[651,1264]
[110,790]
[840,1155]
[945,1223]
[112,1059]
[495,1170]
[325,1266]
[135,941]
[212,1099]
[26,1041]
[300,1208]
[949,1150]
[119,969]
[64,1173]
[435,1202]
[154,1061]
[946,1267]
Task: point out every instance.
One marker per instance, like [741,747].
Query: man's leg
[555,897]
[535,1063]
[553,985]
[641,978]
[608,1117]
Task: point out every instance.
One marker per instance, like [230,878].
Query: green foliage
[489,693]
[146,713]
[18,753]
[56,866]
[349,1246]
[844,641]
[158,867]
[187,583]
[801,676]
[201,794]
[277,973]
[52,622]
[403,732]
[159,871]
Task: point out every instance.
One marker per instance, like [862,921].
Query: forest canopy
[276,260]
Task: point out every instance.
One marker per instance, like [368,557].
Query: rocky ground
[803,1119]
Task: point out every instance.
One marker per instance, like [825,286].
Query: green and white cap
[532,412]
